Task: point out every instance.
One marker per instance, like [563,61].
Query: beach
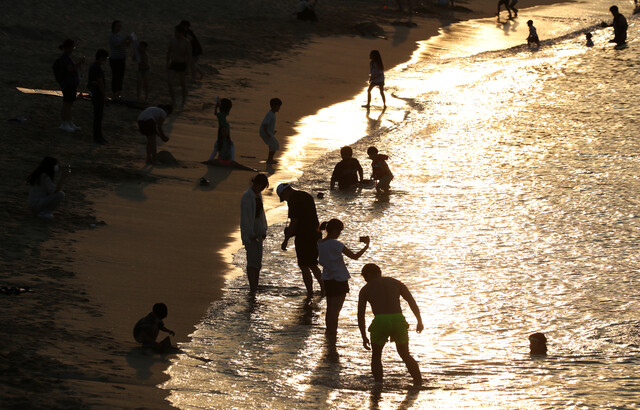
[129,235]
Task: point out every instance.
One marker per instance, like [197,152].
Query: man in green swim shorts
[383,294]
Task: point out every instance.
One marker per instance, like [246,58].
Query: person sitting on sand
[45,195]
[380,170]
[268,129]
[619,25]
[538,344]
[533,35]
[383,293]
[150,125]
[146,330]
[347,171]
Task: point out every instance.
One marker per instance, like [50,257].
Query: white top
[152,113]
[40,190]
[250,223]
[330,257]
[376,73]
[270,122]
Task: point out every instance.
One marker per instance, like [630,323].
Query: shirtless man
[178,60]
[383,293]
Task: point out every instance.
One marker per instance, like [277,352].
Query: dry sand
[165,238]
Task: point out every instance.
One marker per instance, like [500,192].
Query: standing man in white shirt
[253,227]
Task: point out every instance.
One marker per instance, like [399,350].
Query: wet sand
[164,237]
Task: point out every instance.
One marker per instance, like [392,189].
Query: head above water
[283,190]
[589,36]
[160,310]
[334,226]
[346,152]
[371,271]
[538,344]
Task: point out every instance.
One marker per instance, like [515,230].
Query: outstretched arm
[362,325]
[356,256]
[406,294]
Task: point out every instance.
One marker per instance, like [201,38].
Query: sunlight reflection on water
[514,210]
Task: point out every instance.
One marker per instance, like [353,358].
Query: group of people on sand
[312,250]
[182,54]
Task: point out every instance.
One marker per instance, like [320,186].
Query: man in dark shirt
[304,226]
[619,25]
[347,171]
[96,87]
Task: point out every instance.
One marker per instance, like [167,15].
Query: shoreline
[97,298]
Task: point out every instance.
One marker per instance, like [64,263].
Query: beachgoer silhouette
[146,330]
[538,344]
[118,55]
[178,61]
[376,76]
[619,25]
[45,195]
[96,85]
[253,227]
[347,172]
[70,80]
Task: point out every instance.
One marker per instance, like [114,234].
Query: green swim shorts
[389,326]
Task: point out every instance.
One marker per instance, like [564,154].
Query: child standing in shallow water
[376,76]
[334,271]
[380,170]
[533,35]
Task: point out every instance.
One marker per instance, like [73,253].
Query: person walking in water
[619,25]
[376,77]
[334,271]
[383,293]
[253,227]
[304,226]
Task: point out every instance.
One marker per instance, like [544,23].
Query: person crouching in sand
[383,293]
[146,330]
[150,125]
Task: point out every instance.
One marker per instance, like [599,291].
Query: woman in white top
[334,271]
[45,195]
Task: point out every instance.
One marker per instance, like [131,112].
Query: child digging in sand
[146,330]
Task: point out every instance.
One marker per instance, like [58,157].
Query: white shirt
[250,223]
[270,122]
[152,113]
[330,257]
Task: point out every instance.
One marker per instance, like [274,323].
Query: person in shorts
[334,271]
[304,226]
[383,294]
[150,125]
[380,171]
[268,129]
[253,227]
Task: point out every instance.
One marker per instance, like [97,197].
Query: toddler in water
[533,34]
[589,39]
[146,329]
[376,76]
[380,170]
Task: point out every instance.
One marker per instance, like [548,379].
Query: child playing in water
[589,37]
[347,171]
[376,76]
[143,69]
[268,129]
[334,272]
[533,35]
[383,294]
[380,170]
[146,329]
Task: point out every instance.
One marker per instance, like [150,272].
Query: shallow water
[514,210]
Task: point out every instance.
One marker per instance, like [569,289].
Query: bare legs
[403,351]
[334,306]
[308,279]
[384,102]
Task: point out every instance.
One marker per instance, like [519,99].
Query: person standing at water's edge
[268,129]
[376,76]
[335,275]
[118,56]
[253,227]
[304,226]
[619,25]
[383,294]
[178,61]
[96,86]
[69,78]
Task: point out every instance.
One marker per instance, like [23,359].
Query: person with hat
[304,226]
[253,227]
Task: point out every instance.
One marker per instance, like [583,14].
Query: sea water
[514,210]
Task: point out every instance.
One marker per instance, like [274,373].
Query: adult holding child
[45,195]
[68,75]
[118,55]
[335,274]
